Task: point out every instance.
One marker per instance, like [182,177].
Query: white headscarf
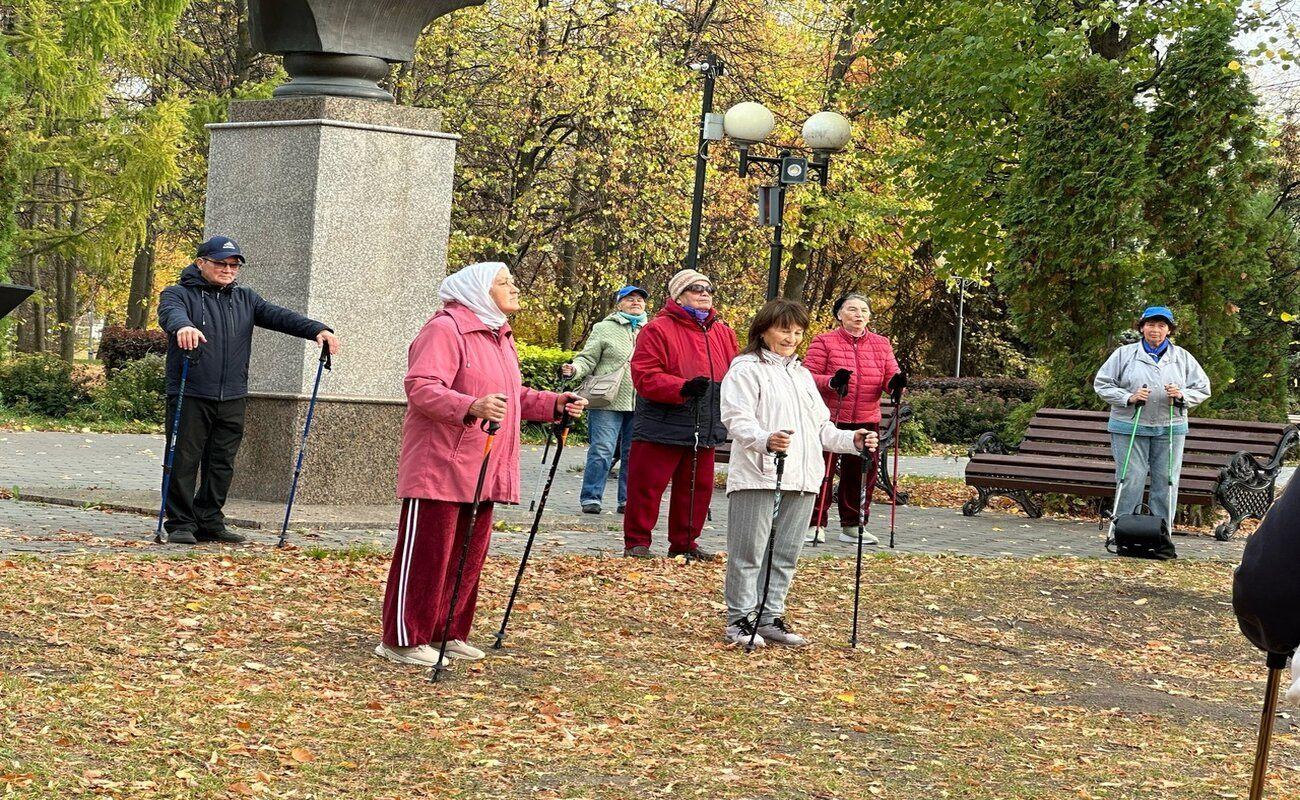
[470,286]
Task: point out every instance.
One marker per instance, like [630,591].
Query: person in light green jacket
[608,349]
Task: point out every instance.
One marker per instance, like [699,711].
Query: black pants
[209,436]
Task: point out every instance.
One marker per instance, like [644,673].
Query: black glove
[695,387]
[896,386]
[840,381]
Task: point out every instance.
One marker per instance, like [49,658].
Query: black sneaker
[640,551]
[591,508]
[225,536]
[622,508]
[182,536]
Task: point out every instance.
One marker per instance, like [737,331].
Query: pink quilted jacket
[871,360]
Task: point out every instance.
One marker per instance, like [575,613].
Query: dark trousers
[206,443]
[850,494]
[650,468]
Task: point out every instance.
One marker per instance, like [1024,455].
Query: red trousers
[850,485]
[424,569]
[650,467]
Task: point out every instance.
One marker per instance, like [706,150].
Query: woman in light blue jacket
[1170,381]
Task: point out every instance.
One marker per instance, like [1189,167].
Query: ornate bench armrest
[904,413]
[1290,439]
[990,443]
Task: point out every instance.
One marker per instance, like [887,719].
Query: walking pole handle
[489,425]
[325,357]
[1141,403]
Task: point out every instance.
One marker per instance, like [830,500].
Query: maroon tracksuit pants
[424,569]
[850,484]
[650,467]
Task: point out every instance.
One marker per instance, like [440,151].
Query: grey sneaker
[815,536]
[591,508]
[850,536]
[420,655]
[739,632]
[640,551]
[776,632]
[225,536]
[697,555]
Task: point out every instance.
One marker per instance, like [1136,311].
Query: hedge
[1021,389]
[42,383]
[120,346]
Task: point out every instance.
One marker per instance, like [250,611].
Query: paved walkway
[126,466]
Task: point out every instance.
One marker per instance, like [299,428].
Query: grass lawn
[251,675]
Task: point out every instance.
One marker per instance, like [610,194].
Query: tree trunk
[140,302]
[796,277]
[65,298]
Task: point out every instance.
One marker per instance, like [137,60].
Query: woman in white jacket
[770,405]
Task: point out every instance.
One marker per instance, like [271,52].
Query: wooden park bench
[1229,462]
[722,454]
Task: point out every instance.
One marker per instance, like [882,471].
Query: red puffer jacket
[871,360]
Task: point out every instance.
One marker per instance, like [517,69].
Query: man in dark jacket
[680,359]
[210,319]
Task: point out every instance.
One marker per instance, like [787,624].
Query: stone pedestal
[343,209]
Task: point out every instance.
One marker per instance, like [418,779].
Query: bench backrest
[722,454]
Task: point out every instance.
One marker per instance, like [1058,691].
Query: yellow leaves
[302,755]
[1234,65]
[848,698]
[104,600]
[1287,316]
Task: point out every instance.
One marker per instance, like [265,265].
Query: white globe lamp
[748,122]
[826,132]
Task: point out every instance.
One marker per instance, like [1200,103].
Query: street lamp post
[749,124]
[711,67]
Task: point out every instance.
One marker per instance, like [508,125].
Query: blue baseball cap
[219,248]
[1157,312]
[627,290]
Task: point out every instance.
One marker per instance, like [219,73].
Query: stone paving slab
[93,476]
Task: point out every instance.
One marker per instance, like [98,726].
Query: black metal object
[786,169]
[342,47]
[11,296]
[1246,488]
[991,443]
[711,68]
[321,366]
[767,553]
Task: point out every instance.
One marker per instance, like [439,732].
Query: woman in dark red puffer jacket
[859,364]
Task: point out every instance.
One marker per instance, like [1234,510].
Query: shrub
[913,440]
[540,366]
[41,383]
[959,417]
[119,346]
[1021,389]
[138,391]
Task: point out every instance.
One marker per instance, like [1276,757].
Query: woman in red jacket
[677,369]
[463,368]
[852,367]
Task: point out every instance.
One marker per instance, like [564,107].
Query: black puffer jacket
[226,316]
[1266,587]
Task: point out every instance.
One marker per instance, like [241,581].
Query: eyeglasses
[224,264]
[699,288]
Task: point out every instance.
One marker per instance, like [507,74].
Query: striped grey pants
[748,522]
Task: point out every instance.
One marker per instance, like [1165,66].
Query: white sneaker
[850,536]
[777,633]
[739,632]
[457,649]
[815,536]
[421,655]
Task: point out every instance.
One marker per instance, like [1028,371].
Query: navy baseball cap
[219,248]
[1157,312]
[627,290]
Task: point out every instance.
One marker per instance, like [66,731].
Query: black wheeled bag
[1142,535]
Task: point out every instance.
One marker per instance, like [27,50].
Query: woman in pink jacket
[463,368]
[852,368]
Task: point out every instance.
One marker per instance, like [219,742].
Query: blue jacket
[226,316]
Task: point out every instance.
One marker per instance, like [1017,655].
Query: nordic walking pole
[893,496]
[441,664]
[546,451]
[862,517]
[1169,471]
[828,477]
[695,468]
[321,366]
[1276,663]
[771,545]
[561,430]
[158,536]
[1123,473]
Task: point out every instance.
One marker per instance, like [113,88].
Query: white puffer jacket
[763,394]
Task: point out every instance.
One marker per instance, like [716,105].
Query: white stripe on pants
[749,519]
